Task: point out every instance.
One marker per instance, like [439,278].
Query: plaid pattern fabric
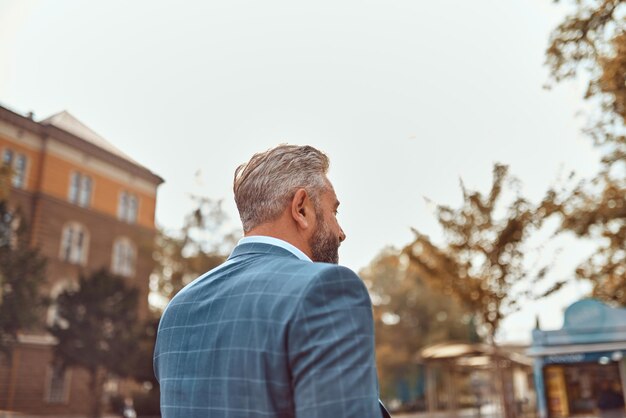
[268,335]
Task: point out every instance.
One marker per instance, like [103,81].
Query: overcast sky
[405,96]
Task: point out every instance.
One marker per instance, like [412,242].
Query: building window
[124,256]
[17,162]
[74,244]
[80,189]
[7,157]
[58,384]
[128,207]
[52,316]
[9,227]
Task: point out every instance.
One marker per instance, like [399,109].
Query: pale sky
[405,97]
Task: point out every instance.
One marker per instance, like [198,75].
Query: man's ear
[302,209]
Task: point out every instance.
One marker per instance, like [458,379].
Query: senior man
[279,329]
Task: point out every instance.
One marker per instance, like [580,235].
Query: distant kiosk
[571,364]
[477,380]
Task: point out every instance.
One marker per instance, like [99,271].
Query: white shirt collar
[262,239]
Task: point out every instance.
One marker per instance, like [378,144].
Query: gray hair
[264,185]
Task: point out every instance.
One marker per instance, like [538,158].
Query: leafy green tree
[96,328]
[409,315]
[592,40]
[22,271]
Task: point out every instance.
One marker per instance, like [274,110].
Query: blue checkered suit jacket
[269,335]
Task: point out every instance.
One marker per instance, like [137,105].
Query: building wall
[103,231]
[58,169]
[44,203]
[50,165]
[24,388]
[26,143]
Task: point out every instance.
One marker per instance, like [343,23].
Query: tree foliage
[481,261]
[408,316]
[96,329]
[146,403]
[22,271]
[593,39]
[202,244]
[596,209]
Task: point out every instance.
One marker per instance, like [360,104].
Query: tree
[596,209]
[96,329]
[22,271]
[481,261]
[409,315]
[593,39]
[146,403]
[202,244]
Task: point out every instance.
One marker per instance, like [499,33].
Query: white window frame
[85,191]
[81,189]
[128,207]
[121,205]
[9,236]
[52,314]
[19,173]
[19,177]
[124,257]
[133,208]
[66,382]
[10,153]
[76,253]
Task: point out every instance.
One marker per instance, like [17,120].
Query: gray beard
[324,245]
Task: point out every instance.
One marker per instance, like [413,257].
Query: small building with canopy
[574,363]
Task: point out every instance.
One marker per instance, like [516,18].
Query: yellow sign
[556,392]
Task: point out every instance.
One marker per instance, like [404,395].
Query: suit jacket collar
[260,248]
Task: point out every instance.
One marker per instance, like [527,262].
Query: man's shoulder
[332,272]
[329,280]
[325,287]
[276,276]
[308,274]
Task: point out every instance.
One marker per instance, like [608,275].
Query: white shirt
[262,239]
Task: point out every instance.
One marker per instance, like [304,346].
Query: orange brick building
[87,206]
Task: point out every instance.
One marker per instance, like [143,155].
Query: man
[270,333]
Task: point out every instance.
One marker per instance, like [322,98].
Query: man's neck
[282,232]
[263,239]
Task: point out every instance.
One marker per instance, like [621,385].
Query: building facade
[477,379]
[88,206]
[574,363]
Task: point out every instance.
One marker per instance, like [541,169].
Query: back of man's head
[264,185]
